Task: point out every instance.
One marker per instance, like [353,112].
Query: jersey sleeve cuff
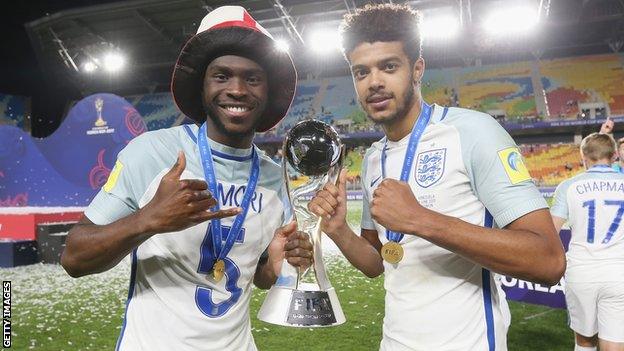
[518,210]
[561,213]
[96,216]
[107,208]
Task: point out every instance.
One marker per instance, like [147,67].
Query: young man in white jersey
[593,204]
[197,231]
[433,187]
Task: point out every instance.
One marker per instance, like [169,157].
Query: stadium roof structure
[150,33]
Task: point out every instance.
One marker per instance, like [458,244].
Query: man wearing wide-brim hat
[200,231]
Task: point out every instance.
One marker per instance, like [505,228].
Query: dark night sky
[19,71]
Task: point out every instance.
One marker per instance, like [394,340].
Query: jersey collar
[218,149]
[602,168]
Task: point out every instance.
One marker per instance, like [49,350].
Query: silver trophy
[306,299]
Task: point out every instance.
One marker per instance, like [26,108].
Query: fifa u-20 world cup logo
[99,103]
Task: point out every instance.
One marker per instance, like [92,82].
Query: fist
[395,207]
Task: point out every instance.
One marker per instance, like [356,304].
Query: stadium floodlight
[513,20]
[113,62]
[440,27]
[281,44]
[89,66]
[324,40]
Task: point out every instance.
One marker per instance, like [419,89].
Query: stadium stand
[549,164]
[509,92]
[158,110]
[520,92]
[578,88]
[570,82]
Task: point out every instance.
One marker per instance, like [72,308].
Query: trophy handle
[289,275]
[309,223]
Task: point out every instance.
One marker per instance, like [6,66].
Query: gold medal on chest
[392,252]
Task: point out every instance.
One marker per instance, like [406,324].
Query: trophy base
[307,307]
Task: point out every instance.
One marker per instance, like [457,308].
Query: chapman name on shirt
[600,185]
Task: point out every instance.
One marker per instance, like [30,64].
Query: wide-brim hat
[230,30]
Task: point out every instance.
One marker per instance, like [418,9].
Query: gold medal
[218,270]
[392,252]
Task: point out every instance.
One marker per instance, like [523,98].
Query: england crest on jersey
[430,167]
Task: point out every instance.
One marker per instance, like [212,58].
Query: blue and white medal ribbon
[221,250]
[392,252]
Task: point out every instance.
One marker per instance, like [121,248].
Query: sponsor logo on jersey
[112,178]
[430,167]
[514,165]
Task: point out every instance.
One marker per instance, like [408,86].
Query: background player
[593,205]
[607,128]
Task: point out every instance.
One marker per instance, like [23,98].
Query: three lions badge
[430,167]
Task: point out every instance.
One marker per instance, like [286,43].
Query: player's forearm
[360,253]
[519,253]
[264,277]
[94,248]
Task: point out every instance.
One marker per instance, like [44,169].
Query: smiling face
[234,95]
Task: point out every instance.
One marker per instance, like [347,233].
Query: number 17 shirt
[593,204]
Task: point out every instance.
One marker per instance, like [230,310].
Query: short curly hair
[383,22]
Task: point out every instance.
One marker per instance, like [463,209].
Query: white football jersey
[466,166]
[593,204]
[173,302]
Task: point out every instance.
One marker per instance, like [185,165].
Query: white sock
[585,348]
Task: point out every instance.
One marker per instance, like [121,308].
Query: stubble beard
[401,112]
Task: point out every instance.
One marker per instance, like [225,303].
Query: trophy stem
[298,298]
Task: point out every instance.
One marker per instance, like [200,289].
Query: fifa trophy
[307,299]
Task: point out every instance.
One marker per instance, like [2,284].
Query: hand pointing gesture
[181,203]
[607,126]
